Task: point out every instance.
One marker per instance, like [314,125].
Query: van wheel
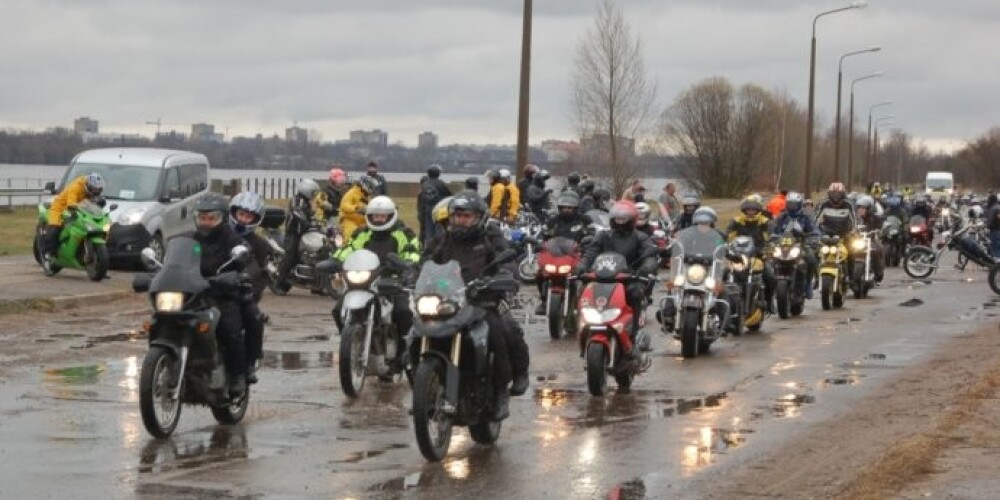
[156,243]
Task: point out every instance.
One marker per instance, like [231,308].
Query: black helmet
[210,203]
[434,171]
[587,187]
[602,193]
[472,183]
[467,202]
[573,178]
[568,203]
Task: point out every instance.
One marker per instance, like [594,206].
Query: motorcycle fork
[368,337]
[176,393]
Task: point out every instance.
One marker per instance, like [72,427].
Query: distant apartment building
[598,145]
[85,124]
[375,137]
[296,134]
[557,151]
[204,132]
[427,140]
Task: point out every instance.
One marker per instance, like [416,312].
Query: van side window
[194,178]
[172,182]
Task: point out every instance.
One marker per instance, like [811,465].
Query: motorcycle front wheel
[781,294]
[689,333]
[352,373]
[555,317]
[97,260]
[160,413]
[995,278]
[919,262]
[597,371]
[826,292]
[430,423]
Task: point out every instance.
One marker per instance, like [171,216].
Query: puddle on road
[225,443]
[357,456]
[618,407]
[789,405]
[847,379]
[76,375]
[109,382]
[295,360]
[634,489]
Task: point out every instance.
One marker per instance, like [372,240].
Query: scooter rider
[473,244]
[637,248]
[568,223]
[217,239]
[246,211]
[865,210]
[753,223]
[795,212]
[85,187]
[385,234]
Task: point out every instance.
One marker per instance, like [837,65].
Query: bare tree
[612,98]
[726,134]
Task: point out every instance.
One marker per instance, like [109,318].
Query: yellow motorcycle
[832,272]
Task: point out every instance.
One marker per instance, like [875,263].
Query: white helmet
[382,205]
[704,215]
[644,211]
[504,174]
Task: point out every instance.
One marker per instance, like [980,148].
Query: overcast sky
[451,66]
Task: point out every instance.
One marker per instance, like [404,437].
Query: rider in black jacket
[568,223]
[636,247]
[246,211]
[474,244]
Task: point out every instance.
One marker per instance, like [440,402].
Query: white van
[150,195]
[939,184]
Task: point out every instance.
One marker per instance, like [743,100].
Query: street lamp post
[840,78]
[850,130]
[807,185]
[869,173]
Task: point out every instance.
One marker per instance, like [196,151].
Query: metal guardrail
[22,191]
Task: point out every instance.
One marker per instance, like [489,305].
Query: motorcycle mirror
[148,257]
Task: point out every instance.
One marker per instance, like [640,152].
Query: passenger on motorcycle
[642,221]
[246,211]
[302,203]
[689,204]
[637,248]
[795,213]
[865,210]
[753,223]
[352,206]
[217,239]
[569,223]
[384,234]
[473,243]
[85,187]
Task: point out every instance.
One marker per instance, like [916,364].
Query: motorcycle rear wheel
[689,333]
[555,317]
[160,413]
[597,371]
[431,424]
[352,374]
[919,262]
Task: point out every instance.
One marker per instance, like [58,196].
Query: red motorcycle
[556,261]
[661,238]
[920,231]
[606,321]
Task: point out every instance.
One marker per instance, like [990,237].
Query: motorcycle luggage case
[273,218]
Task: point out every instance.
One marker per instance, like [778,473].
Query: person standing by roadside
[670,206]
[635,189]
[432,190]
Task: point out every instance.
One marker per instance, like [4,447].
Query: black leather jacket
[637,248]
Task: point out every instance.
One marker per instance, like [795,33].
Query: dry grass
[17,229]
[23,305]
[907,461]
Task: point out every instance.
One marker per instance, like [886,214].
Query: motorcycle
[606,339]
[556,261]
[369,343]
[82,241]
[921,261]
[699,306]
[314,247]
[452,384]
[863,278]
[524,242]
[920,233]
[661,238]
[791,272]
[893,241]
[748,275]
[184,363]
[832,272]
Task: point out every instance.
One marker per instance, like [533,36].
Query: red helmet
[337,176]
[623,215]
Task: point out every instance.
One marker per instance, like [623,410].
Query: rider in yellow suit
[85,187]
[353,204]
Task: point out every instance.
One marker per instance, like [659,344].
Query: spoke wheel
[160,413]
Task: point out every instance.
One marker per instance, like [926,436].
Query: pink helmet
[337,176]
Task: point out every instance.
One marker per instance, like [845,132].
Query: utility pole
[522,110]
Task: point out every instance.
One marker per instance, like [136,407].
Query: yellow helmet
[440,211]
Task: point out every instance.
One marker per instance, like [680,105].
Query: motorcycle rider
[702,226]
[246,211]
[380,183]
[85,187]
[586,196]
[538,195]
[689,204]
[530,171]
[567,223]
[473,243]
[894,207]
[795,212]
[217,239]
[504,198]
[335,190]
[572,183]
[386,233]
[865,210]
[923,208]
[753,223]
[642,221]
[433,190]
[602,199]
[306,192]
[472,184]
[637,248]
[352,206]
[835,217]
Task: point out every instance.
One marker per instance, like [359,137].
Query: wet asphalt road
[72,429]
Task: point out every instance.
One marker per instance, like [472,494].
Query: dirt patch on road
[899,437]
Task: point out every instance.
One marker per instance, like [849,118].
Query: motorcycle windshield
[698,243]
[443,280]
[560,246]
[90,208]
[181,270]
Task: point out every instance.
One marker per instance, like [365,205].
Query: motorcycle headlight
[428,305]
[914,229]
[565,269]
[777,252]
[358,277]
[794,252]
[826,250]
[859,244]
[107,227]
[550,268]
[169,301]
[696,274]
[594,316]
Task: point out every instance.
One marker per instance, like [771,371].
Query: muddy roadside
[931,432]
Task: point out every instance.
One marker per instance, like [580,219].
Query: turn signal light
[204,327]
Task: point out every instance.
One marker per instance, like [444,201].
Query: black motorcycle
[184,363]
[315,246]
[791,272]
[452,385]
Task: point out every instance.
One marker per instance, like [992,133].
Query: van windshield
[121,182]
[940,183]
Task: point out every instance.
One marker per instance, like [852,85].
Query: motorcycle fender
[173,347]
[479,335]
[386,310]
[357,299]
[830,271]
[451,376]
[692,302]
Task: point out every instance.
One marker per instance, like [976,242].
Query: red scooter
[605,325]
[556,261]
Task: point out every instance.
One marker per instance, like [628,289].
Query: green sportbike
[82,242]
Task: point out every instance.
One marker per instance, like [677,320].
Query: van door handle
[184,212]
